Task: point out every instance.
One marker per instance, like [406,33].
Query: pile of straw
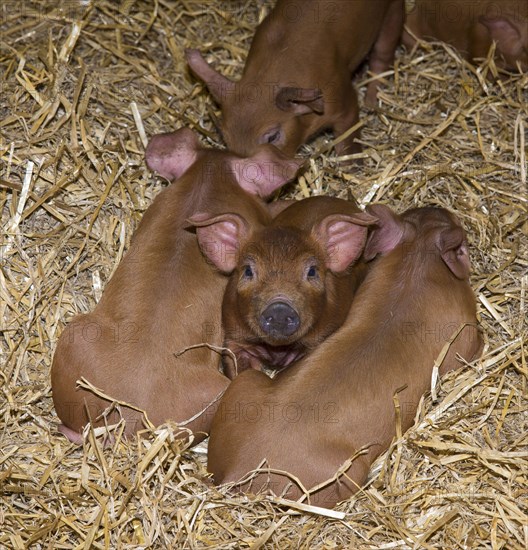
[83,86]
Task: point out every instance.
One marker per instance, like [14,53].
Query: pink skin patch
[73,436]
[77,438]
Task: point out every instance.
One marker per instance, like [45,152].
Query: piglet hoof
[371,97]
[72,435]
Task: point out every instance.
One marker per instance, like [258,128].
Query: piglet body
[137,345]
[316,415]
[297,77]
[472,27]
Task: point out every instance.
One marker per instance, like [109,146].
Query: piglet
[144,345]
[472,27]
[314,418]
[293,281]
[297,77]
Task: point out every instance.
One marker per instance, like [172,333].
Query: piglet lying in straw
[472,27]
[297,77]
[164,298]
[291,284]
[336,408]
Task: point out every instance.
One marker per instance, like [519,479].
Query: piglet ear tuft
[386,235]
[172,154]
[219,238]
[453,248]
[266,171]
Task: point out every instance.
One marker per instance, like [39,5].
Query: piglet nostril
[279,319]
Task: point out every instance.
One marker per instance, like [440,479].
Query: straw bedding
[83,85]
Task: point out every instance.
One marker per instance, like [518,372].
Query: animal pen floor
[83,85]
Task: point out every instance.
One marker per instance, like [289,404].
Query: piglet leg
[349,116]
[382,54]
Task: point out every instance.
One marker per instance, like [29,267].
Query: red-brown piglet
[297,77]
[164,298]
[335,409]
[472,26]
[292,282]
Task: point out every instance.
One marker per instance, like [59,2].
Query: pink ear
[343,238]
[219,238]
[266,171]
[388,233]
[220,87]
[173,153]
[453,249]
[506,33]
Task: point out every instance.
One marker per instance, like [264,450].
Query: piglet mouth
[279,321]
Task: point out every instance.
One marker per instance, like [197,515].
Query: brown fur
[472,27]
[317,414]
[162,299]
[297,77]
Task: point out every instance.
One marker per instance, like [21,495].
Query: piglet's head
[256,113]
[282,278]
[425,234]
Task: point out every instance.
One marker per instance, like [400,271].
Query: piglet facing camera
[291,283]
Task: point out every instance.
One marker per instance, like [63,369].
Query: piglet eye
[312,272]
[248,272]
[272,136]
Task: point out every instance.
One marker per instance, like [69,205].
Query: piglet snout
[279,319]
